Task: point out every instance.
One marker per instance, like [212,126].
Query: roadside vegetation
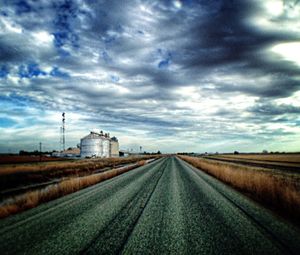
[18,159]
[32,199]
[278,191]
[19,175]
[288,158]
[288,162]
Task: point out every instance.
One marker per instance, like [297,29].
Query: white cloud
[288,51]
[277,15]
[177,4]
[273,7]
[43,38]
[7,26]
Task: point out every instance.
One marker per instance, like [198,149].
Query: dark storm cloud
[272,109]
[273,89]
[130,119]
[223,39]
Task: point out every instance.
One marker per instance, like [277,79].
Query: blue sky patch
[60,38]
[163,64]
[6,122]
[114,78]
[63,53]
[55,72]
[106,57]
[3,13]
[22,7]
[31,70]
[16,100]
[4,71]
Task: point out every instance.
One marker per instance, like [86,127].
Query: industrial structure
[99,145]
[62,133]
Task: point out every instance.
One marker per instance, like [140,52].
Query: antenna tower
[63,131]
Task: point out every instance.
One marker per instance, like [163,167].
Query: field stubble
[277,191]
[66,186]
[287,158]
[20,175]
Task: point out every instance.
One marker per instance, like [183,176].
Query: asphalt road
[166,207]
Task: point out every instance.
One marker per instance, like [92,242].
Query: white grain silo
[91,145]
[106,148]
[114,147]
[99,145]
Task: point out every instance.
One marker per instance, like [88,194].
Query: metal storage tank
[114,147]
[91,145]
[106,148]
[99,145]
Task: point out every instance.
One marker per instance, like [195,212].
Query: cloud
[274,109]
[211,74]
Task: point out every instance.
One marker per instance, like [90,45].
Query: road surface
[165,207]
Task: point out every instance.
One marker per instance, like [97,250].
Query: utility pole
[40,152]
[63,131]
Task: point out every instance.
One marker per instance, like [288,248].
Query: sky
[194,76]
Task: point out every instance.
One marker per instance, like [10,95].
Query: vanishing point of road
[165,207]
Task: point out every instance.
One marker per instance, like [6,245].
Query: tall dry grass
[12,176]
[34,198]
[289,158]
[278,191]
[72,166]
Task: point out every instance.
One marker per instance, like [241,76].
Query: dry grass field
[70,165]
[19,175]
[277,190]
[286,162]
[16,159]
[288,158]
[32,199]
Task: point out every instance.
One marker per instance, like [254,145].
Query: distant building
[69,153]
[99,145]
[72,152]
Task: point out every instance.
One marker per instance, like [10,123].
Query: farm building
[99,145]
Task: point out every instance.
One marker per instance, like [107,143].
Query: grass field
[288,158]
[19,175]
[82,164]
[16,159]
[32,199]
[276,189]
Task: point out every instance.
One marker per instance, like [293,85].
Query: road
[165,207]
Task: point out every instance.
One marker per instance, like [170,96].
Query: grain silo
[99,145]
[91,145]
[106,148]
[114,147]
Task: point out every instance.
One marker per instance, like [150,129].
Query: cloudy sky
[169,75]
